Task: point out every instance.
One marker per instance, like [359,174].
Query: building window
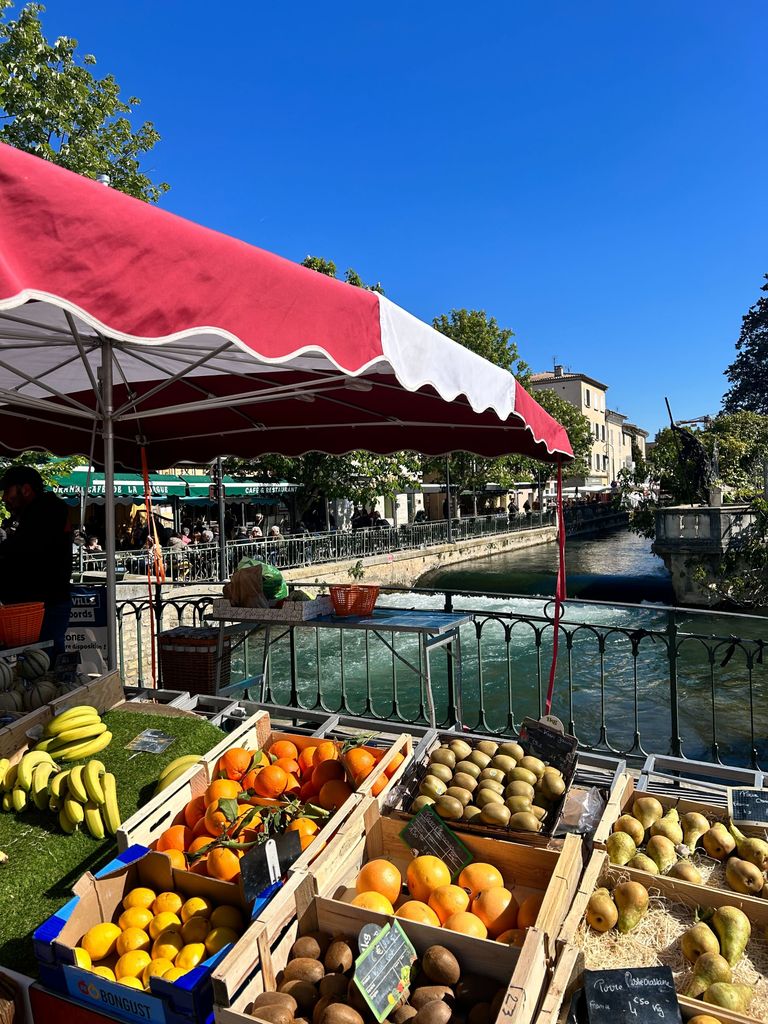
[605,462]
[597,462]
[602,431]
[587,397]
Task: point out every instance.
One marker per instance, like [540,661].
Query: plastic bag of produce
[274,586]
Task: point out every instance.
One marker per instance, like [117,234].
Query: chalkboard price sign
[383,970]
[552,745]
[637,995]
[748,806]
[427,834]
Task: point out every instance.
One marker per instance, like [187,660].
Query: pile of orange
[477,904]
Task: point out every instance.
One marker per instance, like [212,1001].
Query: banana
[45,744]
[64,719]
[92,773]
[5,764]
[76,787]
[171,777]
[54,804]
[187,760]
[78,734]
[57,786]
[10,778]
[18,799]
[81,751]
[39,791]
[93,820]
[73,809]
[65,822]
[7,802]
[110,811]
[27,765]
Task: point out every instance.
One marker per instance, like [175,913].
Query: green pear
[647,809]
[704,1018]
[669,827]
[718,841]
[744,877]
[694,827]
[751,849]
[602,914]
[662,851]
[686,871]
[621,848]
[698,940]
[631,901]
[626,823]
[735,998]
[709,969]
[733,930]
[642,863]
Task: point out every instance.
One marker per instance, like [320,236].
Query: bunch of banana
[86,795]
[174,770]
[17,780]
[75,734]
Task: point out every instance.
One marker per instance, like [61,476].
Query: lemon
[174,974]
[190,956]
[136,917]
[167,945]
[218,938]
[82,958]
[155,969]
[104,972]
[195,930]
[132,938]
[139,897]
[167,903]
[196,906]
[100,940]
[162,922]
[131,965]
[132,982]
[228,917]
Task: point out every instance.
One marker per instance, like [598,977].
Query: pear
[733,930]
[718,841]
[686,871]
[735,998]
[698,940]
[626,823]
[669,827]
[704,1018]
[744,877]
[662,851]
[631,900]
[709,969]
[647,809]
[753,850]
[694,827]
[602,914]
[643,863]
[621,848]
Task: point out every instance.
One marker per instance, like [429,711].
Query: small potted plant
[354,598]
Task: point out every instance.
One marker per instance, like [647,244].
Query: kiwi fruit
[497,1002]
[304,969]
[275,998]
[435,1012]
[533,764]
[522,775]
[525,821]
[468,782]
[471,812]
[443,756]
[471,988]
[428,993]
[321,1006]
[487,796]
[518,803]
[440,771]
[440,965]
[304,992]
[468,768]
[340,1013]
[313,945]
[334,985]
[339,957]
[274,1013]
[520,789]
[495,814]
[402,1013]
[460,748]
[480,759]
[551,786]
[462,795]
[432,786]
[421,801]
[488,747]
[504,763]
[492,784]
[491,773]
[512,750]
[449,807]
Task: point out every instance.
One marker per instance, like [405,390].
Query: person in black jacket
[36,558]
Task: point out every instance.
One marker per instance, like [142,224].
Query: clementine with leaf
[234,763]
[177,837]
[284,748]
[271,781]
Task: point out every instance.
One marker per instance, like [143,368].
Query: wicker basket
[352,599]
[188,659]
[21,623]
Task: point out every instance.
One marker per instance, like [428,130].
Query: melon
[6,676]
[11,700]
[41,693]
[33,664]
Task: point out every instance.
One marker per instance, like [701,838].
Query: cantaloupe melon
[33,664]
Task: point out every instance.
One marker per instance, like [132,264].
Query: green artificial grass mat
[44,863]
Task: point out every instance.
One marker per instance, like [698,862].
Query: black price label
[748,805]
[383,971]
[639,995]
[427,835]
[267,863]
[550,745]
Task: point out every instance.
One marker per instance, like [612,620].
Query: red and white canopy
[219,347]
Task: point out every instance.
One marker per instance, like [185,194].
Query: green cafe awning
[127,485]
[239,490]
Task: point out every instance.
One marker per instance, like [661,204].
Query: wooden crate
[311,722]
[526,870]
[694,780]
[252,966]
[599,872]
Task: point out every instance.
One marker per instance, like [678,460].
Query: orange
[196,906]
[218,938]
[304,826]
[249,778]
[130,939]
[529,910]
[394,764]
[155,969]
[194,811]
[132,964]
[130,982]
[447,900]
[467,924]
[177,858]
[378,785]
[359,762]
[307,841]
[271,781]
[105,972]
[294,786]
[195,930]
[415,911]
[177,837]
[284,748]
[497,909]
[101,940]
[308,791]
[334,794]
[161,922]
[222,789]
[223,864]
[200,843]
[424,875]
[174,974]
[215,820]
[234,763]
[190,956]
[374,902]
[478,876]
[327,771]
[227,917]
[288,765]
[82,958]
[306,760]
[514,937]
[167,903]
[136,917]
[201,828]
[326,750]
[168,944]
[380,876]
[139,897]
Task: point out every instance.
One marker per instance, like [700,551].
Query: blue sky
[591,174]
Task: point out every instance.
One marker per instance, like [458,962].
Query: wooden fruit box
[712,871]
[292,611]
[551,874]
[673,901]
[251,967]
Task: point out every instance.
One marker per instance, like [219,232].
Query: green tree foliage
[748,373]
[52,105]
[49,468]
[328,267]
[742,574]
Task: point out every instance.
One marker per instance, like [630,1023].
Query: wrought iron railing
[631,679]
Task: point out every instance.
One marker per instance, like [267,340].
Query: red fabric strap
[560,587]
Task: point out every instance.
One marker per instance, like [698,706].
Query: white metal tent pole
[108,433]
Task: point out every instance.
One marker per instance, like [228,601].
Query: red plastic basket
[21,623]
[351,599]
